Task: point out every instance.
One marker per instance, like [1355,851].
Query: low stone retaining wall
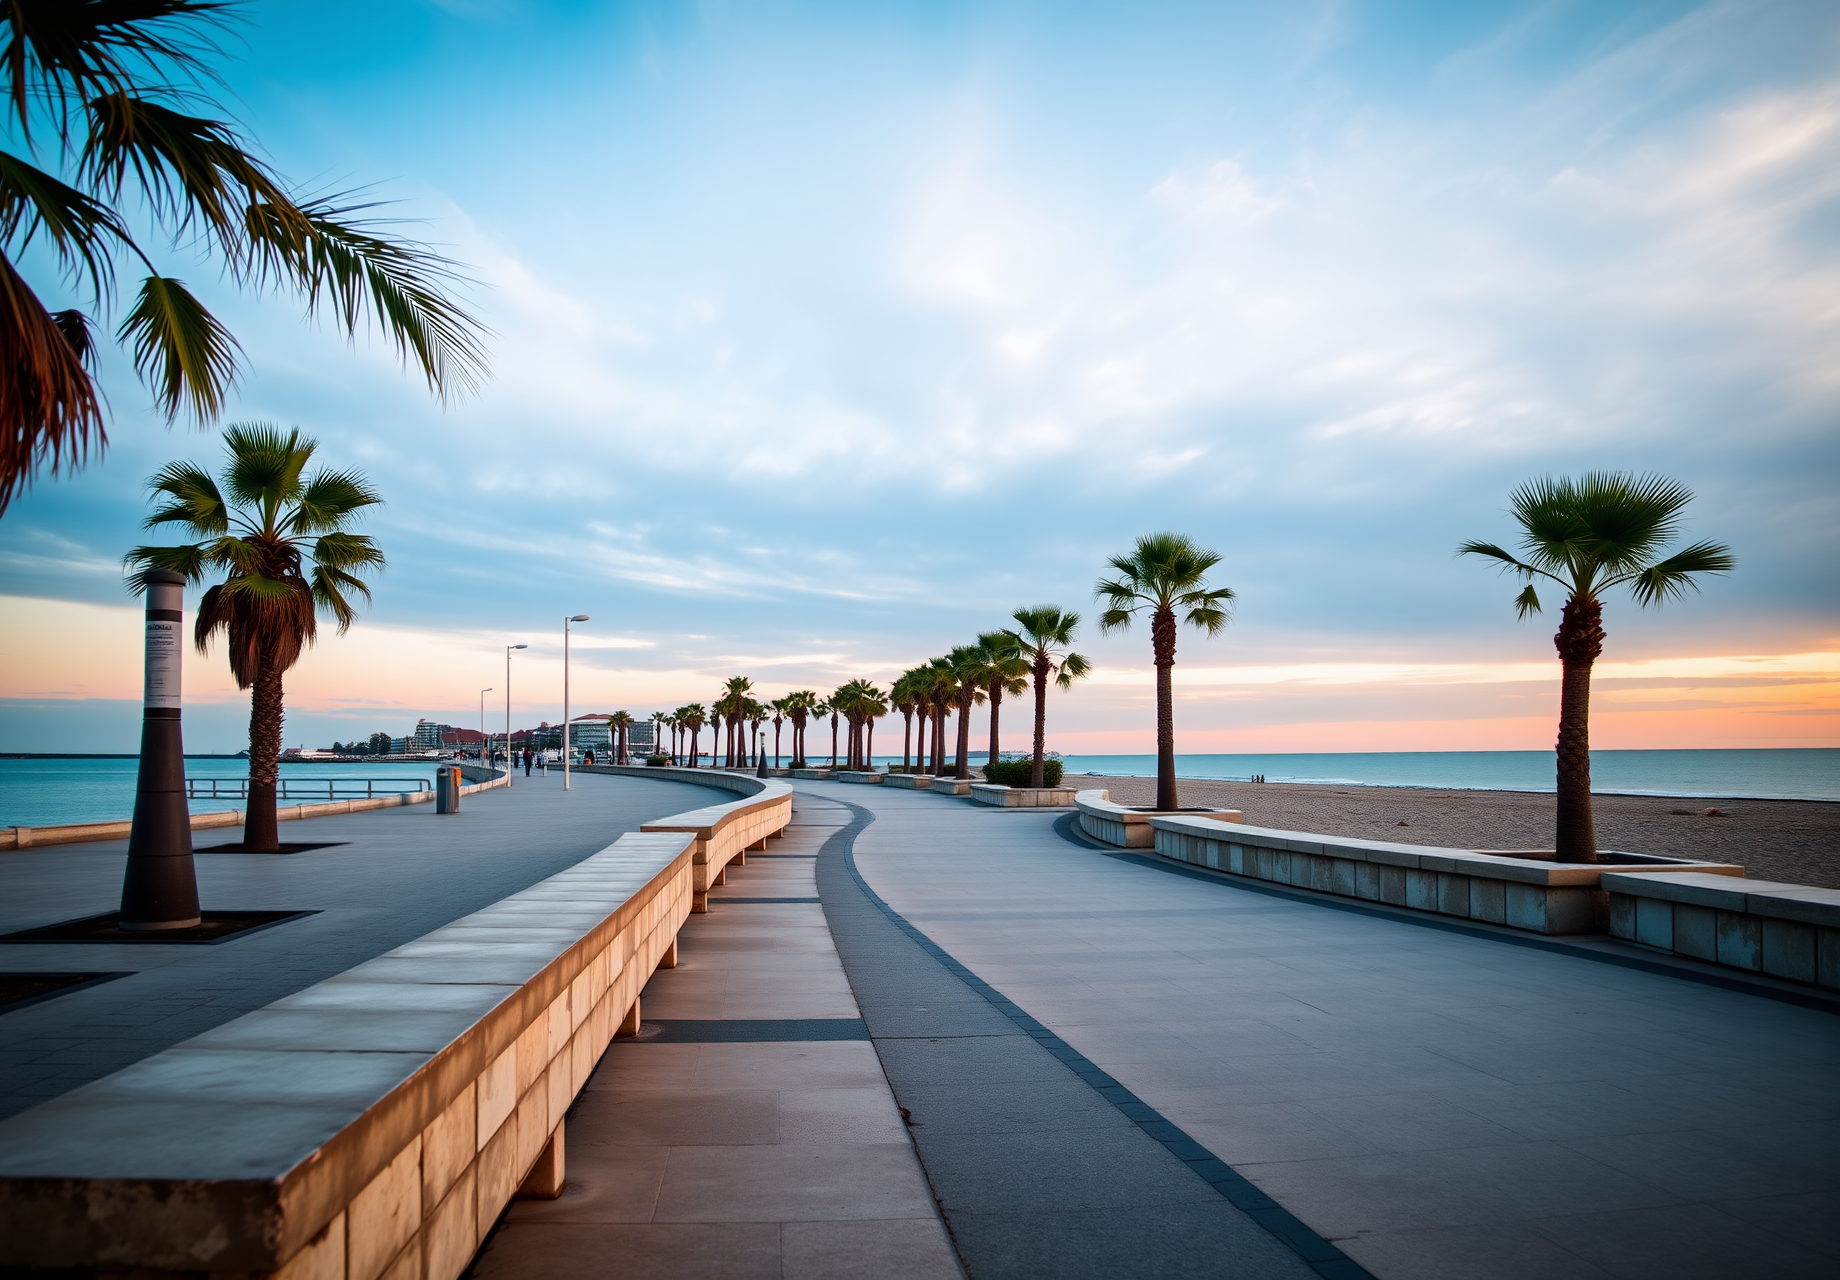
[951,786]
[912,781]
[1128,828]
[995,793]
[480,779]
[723,832]
[374,1124]
[1522,893]
[1789,931]
[863,776]
[810,775]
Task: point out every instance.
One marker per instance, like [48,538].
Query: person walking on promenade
[526,762]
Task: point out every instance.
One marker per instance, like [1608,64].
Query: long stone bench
[865,777]
[1521,892]
[1127,828]
[83,832]
[372,1125]
[1789,931]
[723,832]
[912,781]
[947,786]
[811,775]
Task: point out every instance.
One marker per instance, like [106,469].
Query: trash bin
[447,791]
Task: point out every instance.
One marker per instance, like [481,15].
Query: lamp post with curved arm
[509,771]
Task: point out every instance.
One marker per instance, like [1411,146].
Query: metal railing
[306,788]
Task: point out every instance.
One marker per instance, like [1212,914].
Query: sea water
[1794,773]
[48,792]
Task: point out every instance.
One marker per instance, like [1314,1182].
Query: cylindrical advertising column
[161,888]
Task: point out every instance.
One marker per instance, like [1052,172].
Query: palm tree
[756,712]
[941,693]
[101,95]
[620,720]
[970,671]
[901,694]
[1605,530]
[263,527]
[659,721]
[801,705]
[1042,635]
[695,717]
[779,718]
[829,707]
[1164,573]
[1005,671]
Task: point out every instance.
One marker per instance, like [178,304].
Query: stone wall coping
[1783,901]
[1494,866]
[912,781]
[256,1134]
[1099,804]
[867,776]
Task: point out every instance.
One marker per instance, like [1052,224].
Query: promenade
[915,1037]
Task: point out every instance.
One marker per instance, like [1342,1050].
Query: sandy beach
[1792,840]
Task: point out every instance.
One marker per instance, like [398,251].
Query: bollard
[160,889]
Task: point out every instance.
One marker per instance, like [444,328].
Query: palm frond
[1072,667]
[50,413]
[189,560]
[75,327]
[329,588]
[81,229]
[358,271]
[195,501]
[1669,579]
[347,551]
[61,53]
[1493,552]
[180,349]
[1527,602]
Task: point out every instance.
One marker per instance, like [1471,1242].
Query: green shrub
[657,762]
[1016,773]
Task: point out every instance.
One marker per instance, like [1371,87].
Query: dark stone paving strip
[1042,1163]
[751,1030]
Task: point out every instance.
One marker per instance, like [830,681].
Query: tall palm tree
[105,143]
[620,720]
[901,694]
[942,694]
[801,705]
[1005,671]
[779,718]
[284,543]
[1165,573]
[970,671]
[1604,530]
[1043,635]
[755,713]
[659,720]
[695,717]
[829,707]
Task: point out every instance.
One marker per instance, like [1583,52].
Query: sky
[826,335]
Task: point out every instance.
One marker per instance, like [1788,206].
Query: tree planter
[861,776]
[1521,891]
[951,786]
[810,775]
[1126,827]
[912,781]
[1002,797]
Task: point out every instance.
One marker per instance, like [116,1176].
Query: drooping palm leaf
[50,414]
[181,349]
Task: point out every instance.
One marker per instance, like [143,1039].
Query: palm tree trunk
[833,739]
[1580,640]
[1037,774]
[939,738]
[907,737]
[964,734]
[1163,644]
[869,747]
[923,714]
[260,830]
[996,700]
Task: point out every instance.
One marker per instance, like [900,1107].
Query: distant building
[639,738]
[591,733]
[400,746]
[428,735]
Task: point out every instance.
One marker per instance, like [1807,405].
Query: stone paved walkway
[1436,1103]
[730,1140]
[401,873]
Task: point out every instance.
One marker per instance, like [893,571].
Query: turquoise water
[1811,773]
[49,793]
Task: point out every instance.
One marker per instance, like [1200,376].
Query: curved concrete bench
[377,1123]
[1125,827]
[1522,892]
[723,832]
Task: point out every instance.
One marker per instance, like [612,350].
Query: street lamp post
[566,622]
[485,744]
[510,772]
